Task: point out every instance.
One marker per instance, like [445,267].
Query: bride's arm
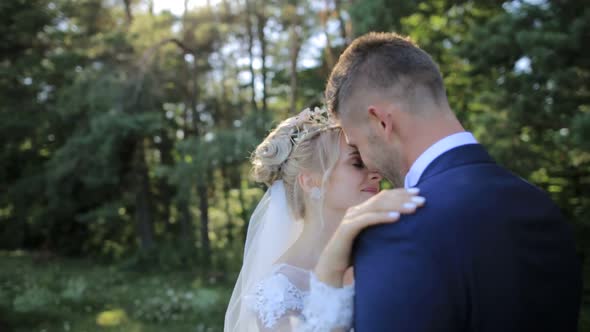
[283,324]
[382,208]
[329,305]
[327,308]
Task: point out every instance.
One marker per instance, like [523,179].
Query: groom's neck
[424,132]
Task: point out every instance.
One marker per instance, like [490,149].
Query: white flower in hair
[309,122]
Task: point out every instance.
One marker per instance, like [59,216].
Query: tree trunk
[151,7]
[261,21]
[143,200]
[295,47]
[250,29]
[226,188]
[128,13]
[226,6]
[187,232]
[166,191]
[244,213]
[226,110]
[330,58]
[204,207]
[344,27]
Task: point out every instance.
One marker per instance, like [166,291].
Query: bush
[175,305]
[74,290]
[34,299]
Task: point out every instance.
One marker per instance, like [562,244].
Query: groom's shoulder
[478,182]
[470,169]
[482,187]
[470,199]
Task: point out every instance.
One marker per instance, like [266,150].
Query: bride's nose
[375,176]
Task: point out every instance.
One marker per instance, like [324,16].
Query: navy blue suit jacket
[488,252]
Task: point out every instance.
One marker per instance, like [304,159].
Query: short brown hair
[381,60]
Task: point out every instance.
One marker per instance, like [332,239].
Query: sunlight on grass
[79,295]
[111,317]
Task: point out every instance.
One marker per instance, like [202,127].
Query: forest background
[126,128]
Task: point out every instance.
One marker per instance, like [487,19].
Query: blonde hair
[280,157]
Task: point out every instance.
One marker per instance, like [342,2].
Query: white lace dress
[292,299]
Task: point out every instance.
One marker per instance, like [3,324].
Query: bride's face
[350,183]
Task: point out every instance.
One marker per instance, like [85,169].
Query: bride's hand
[385,207]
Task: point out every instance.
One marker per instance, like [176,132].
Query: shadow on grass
[79,295]
[11,321]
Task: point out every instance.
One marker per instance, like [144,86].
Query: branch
[148,55]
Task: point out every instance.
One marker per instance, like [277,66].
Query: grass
[76,295]
[584,325]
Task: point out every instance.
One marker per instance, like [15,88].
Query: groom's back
[516,250]
[488,252]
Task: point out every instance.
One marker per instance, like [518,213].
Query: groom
[489,252]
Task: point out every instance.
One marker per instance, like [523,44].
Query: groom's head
[382,89]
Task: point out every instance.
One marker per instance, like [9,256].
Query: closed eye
[358,163]
[356,159]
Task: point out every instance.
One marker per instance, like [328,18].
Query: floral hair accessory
[304,126]
[308,123]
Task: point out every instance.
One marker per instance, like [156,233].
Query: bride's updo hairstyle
[306,142]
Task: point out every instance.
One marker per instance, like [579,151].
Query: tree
[539,108]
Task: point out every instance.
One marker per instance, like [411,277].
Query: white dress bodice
[291,299]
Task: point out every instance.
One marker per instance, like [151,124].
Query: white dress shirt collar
[433,152]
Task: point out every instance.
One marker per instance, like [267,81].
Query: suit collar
[435,150]
[459,156]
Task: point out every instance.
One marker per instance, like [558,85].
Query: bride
[297,274]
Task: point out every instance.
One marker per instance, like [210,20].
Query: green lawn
[70,295]
[585,314]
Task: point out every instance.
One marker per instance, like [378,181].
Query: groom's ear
[383,118]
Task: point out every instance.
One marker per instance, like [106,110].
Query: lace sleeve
[327,308]
[274,301]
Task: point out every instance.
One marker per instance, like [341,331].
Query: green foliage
[126,138]
[538,108]
[167,305]
[380,15]
[74,289]
[34,299]
[78,294]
